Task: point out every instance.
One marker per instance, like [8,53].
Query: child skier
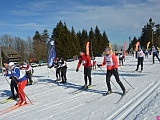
[86,61]
[140,57]
[111,63]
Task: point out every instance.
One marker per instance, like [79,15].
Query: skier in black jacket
[13,84]
[63,69]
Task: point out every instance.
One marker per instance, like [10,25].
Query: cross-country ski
[122,96]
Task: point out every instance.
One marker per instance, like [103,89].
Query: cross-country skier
[22,81]
[86,62]
[13,84]
[140,57]
[111,62]
[63,70]
[28,70]
[56,65]
[121,57]
[155,53]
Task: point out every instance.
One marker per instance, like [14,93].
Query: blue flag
[51,53]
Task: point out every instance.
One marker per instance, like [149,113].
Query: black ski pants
[13,87]
[155,54]
[29,76]
[63,74]
[58,72]
[121,61]
[140,62]
[116,75]
[87,74]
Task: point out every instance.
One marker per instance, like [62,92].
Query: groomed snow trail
[53,100]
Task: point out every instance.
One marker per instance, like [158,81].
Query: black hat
[6,61]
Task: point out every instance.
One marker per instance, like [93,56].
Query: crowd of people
[22,76]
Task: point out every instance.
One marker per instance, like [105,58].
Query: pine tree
[147,34]
[75,43]
[36,45]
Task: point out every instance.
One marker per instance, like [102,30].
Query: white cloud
[122,18]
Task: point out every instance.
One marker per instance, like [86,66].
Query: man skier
[86,62]
[111,63]
[13,84]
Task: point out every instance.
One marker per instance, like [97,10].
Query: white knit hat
[11,64]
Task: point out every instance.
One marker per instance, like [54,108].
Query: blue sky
[120,19]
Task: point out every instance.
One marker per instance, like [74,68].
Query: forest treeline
[68,42]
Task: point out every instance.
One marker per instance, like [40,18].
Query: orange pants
[21,94]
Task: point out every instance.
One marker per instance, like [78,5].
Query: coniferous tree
[43,46]
[147,34]
[97,41]
[57,35]
[36,45]
[83,40]
[105,41]
[75,43]
[156,37]
[91,38]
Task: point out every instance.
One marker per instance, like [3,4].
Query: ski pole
[6,80]
[105,73]
[52,71]
[149,59]
[21,89]
[127,82]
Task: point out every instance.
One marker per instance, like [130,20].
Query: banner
[110,46]
[87,48]
[148,45]
[51,53]
[136,47]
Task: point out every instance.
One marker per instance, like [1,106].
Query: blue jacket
[17,73]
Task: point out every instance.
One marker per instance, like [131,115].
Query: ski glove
[76,70]
[115,69]
[99,65]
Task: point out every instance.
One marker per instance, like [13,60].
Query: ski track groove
[54,104]
[125,110]
[45,107]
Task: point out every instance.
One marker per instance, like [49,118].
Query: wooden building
[8,53]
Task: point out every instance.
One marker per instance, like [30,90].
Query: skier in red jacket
[86,62]
[111,63]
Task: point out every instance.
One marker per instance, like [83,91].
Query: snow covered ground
[55,101]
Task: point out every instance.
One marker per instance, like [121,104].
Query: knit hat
[6,61]
[11,64]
